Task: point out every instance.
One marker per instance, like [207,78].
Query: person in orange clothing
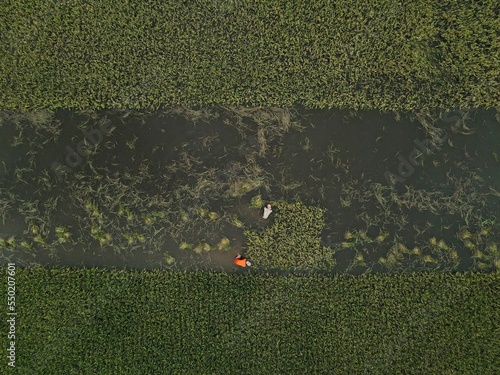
[241,261]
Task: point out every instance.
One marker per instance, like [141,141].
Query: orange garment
[242,262]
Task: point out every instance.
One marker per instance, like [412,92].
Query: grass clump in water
[293,241]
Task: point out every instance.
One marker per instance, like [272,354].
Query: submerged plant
[224,244]
[239,186]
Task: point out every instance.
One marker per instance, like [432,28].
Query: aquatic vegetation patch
[292,241]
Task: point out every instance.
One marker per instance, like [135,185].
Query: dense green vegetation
[293,240]
[384,54]
[91,321]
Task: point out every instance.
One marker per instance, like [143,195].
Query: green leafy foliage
[292,241]
[95,321]
[383,54]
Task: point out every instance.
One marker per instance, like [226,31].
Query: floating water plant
[257,202]
[63,234]
[202,212]
[26,245]
[148,219]
[482,265]
[184,216]
[104,238]
[364,237]
[186,246]
[242,185]
[198,249]
[429,259]
[349,235]
[158,214]
[213,215]
[485,231]
[347,245]
[130,239]
[169,259]
[40,240]
[140,237]
[469,245]
[442,245]
[359,259]
[237,222]
[382,237]
[465,234]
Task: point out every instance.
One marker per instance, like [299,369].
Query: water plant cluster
[117,322]
[468,226]
[293,241]
[385,54]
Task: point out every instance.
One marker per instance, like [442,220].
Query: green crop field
[90,321]
[382,54]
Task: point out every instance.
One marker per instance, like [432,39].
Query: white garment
[267,212]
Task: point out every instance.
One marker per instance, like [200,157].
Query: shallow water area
[402,192]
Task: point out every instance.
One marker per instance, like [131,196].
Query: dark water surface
[156,180]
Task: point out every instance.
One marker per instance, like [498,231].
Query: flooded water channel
[173,188]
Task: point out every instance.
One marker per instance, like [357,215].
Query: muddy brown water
[333,163]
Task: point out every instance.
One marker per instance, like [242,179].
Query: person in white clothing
[267,211]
